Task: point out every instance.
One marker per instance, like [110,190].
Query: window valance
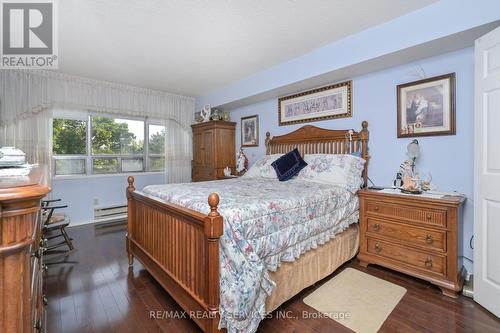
[24,92]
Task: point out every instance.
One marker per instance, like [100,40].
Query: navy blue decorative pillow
[289,165]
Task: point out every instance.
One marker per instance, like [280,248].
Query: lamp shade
[413,149]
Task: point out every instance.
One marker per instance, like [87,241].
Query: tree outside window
[116,145]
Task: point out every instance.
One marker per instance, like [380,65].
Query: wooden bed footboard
[180,248]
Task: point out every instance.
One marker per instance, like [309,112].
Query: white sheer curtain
[32,134]
[26,96]
[178,153]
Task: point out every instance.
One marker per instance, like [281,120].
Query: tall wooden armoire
[213,149]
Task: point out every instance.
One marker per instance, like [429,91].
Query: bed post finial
[365,135]
[130,187]
[213,202]
[268,140]
[213,229]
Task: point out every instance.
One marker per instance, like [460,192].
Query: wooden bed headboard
[314,140]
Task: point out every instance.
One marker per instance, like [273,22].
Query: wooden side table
[416,235]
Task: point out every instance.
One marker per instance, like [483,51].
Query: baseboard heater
[110,215]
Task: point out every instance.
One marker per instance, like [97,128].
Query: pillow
[289,165]
[262,168]
[336,169]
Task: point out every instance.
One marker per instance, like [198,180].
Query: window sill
[105,175]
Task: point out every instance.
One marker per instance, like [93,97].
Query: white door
[487,172]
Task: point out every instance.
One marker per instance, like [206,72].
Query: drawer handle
[45,300]
[376,208]
[429,216]
[428,262]
[378,248]
[429,239]
[376,227]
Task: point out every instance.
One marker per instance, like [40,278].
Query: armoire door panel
[208,145]
[197,149]
[226,153]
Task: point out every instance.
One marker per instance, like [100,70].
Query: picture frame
[328,102]
[426,107]
[250,131]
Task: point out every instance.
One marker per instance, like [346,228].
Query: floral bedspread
[265,222]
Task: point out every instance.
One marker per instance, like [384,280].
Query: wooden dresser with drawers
[412,234]
[21,249]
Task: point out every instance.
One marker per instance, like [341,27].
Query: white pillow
[263,168]
[336,169]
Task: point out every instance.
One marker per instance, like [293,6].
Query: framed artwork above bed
[427,107]
[329,102]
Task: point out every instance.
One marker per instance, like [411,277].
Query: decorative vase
[216,115]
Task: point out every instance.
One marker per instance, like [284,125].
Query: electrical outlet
[96,201]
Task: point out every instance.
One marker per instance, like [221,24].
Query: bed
[228,264]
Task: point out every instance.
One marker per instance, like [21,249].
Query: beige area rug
[356,300]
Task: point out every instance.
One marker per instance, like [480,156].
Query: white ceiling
[195,46]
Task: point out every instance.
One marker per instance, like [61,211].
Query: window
[69,140]
[156,147]
[113,141]
[117,136]
[106,145]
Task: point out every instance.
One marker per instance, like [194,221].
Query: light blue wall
[448,158]
[430,23]
[79,193]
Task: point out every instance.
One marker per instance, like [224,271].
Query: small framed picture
[250,131]
[427,107]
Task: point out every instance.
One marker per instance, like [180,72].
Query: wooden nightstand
[413,235]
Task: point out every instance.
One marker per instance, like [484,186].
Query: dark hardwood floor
[100,294]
